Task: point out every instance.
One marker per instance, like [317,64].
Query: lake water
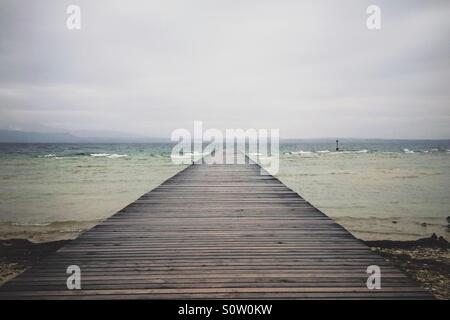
[376,189]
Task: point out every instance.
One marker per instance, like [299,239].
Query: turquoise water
[376,189]
[54,191]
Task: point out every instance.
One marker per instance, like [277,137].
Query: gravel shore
[426,260]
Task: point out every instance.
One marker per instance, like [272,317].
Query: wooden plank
[215,231]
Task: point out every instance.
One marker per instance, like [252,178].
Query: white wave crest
[51,155]
[301,152]
[108,155]
[355,151]
[99,154]
[115,156]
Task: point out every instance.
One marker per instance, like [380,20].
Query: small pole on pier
[337,145]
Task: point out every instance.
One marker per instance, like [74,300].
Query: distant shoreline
[8,136]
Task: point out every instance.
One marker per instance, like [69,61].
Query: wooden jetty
[215,231]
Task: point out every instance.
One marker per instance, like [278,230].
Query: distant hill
[34,137]
[16,136]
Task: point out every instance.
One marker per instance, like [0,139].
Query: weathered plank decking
[215,231]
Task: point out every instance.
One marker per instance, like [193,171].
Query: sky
[309,68]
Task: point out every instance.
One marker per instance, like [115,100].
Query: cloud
[149,67]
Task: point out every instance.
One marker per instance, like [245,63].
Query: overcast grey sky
[311,69]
